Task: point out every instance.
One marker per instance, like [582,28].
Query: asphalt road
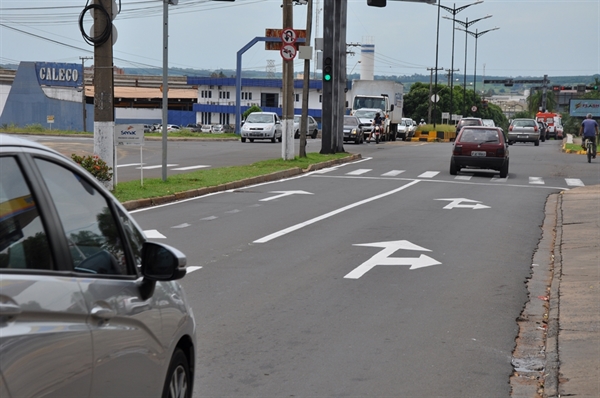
[383,277]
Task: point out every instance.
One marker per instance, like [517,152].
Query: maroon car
[480,147]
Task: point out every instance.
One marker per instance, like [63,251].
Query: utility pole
[83,96]
[287,149]
[305,90]
[104,119]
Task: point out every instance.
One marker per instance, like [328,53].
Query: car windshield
[524,123]
[479,135]
[470,122]
[365,114]
[254,118]
[350,121]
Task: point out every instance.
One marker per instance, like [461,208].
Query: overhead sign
[581,107]
[58,74]
[383,257]
[129,134]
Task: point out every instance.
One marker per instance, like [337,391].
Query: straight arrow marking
[471,204]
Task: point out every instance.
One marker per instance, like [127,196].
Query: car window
[479,136]
[350,121]
[23,239]
[90,228]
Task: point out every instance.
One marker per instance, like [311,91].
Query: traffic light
[327,69]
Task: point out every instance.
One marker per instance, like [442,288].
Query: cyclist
[589,130]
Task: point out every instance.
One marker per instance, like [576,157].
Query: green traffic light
[327,77]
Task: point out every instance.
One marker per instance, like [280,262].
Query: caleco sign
[58,74]
[581,107]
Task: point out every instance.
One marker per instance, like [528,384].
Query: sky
[535,37]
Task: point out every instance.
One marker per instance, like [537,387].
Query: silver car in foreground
[524,130]
[88,306]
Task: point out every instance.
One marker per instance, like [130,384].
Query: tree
[534,101]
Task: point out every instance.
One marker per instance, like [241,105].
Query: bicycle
[589,148]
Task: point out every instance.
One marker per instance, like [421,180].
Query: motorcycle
[377,132]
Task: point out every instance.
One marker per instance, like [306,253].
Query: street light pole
[476,36]
[83,97]
[454,10]
[466,25]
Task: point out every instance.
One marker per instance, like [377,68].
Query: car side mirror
[392,108]
[161,262]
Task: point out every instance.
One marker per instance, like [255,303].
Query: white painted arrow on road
[455,203]
[383,257]
[285,193]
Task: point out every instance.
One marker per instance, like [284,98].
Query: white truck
[383,94]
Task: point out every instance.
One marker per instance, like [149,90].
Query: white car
[406,128]
[206,128]
[262,126]
[366,116]
[312,127]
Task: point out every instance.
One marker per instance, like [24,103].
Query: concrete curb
[149,202]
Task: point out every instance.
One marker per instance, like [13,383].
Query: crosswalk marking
[463,178]
[574,182]
[129,164]
[393,173]
[498,179]
[429,174]
[358,172]
[536,180]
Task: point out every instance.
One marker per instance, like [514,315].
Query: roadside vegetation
[156,187]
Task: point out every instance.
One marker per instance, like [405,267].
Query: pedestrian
[589,130]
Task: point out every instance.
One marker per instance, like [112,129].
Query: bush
[96,166]
[250,110]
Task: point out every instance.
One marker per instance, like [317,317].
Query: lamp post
[165,84]
[454,10]
[476,36]
[83,97]
[466,24]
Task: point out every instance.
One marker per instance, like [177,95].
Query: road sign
[435,98]
[473,108]
[288,52]
[289,36]
[276,45]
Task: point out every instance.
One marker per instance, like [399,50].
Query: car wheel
[297,134]
[504,170]
[453,169]
[510,142]
[273,139]
[243,139]
[251,139]
[279,139]
[314,134]
[537,143]
[178,382]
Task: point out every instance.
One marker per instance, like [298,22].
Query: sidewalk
[578,307]
[557,351]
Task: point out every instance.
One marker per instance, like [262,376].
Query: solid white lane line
[156,167]
[332,213]
[201,166]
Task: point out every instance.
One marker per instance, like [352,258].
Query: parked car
[206,128]
[366,116]
[262,126]
[193,127]
[524,130]
[173,127]
[147,128]
[406,128]
[353,130]
[468,121]
[218,128]
[88,306]
[480,147]
[312,127]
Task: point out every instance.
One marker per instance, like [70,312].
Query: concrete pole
[287,111]
[305,89]
[104,118]
[165,87]
[327,103]
[83,96]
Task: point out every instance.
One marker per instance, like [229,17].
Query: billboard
[59,74]
[581,107]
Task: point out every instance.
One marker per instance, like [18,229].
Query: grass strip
[156,187]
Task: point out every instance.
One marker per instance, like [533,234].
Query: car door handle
[9,309]
[103,313]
